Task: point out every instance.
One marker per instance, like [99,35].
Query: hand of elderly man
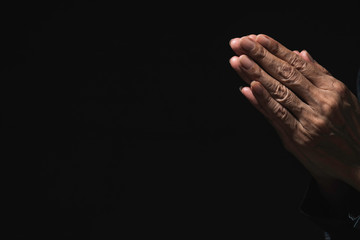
[316,116]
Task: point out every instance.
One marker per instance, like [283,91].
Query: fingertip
[308,56]
[246,91]
[235,46]
[233,42]
[304,54]
[297,52]
[234,60]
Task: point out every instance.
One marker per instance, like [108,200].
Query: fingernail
[245,62]
[247,44]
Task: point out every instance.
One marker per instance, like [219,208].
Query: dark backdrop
[137,118]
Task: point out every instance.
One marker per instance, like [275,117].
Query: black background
[139,126]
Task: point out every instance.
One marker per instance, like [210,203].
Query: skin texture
[316,116]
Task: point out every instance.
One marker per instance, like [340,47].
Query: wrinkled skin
[316,116]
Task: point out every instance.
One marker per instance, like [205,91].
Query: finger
[284,136]
[235,41]
[246,91]
[279,69]
[275,112]
[308,69]
[278,91]
[252,36]
[307,57]
[235,64]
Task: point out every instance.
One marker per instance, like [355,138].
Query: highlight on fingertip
[244,90]
[233,59]
[233,41]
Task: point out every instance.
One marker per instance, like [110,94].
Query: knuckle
[340,88]
[298,63]
[321,126]
[280,113]
[275,48]
[300,137]
[332,101]
[257,73]
[305,141]
[318,128]
[294,60]
[327,108]
[330,107]
[260,53]
[281,94]
[287,72]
